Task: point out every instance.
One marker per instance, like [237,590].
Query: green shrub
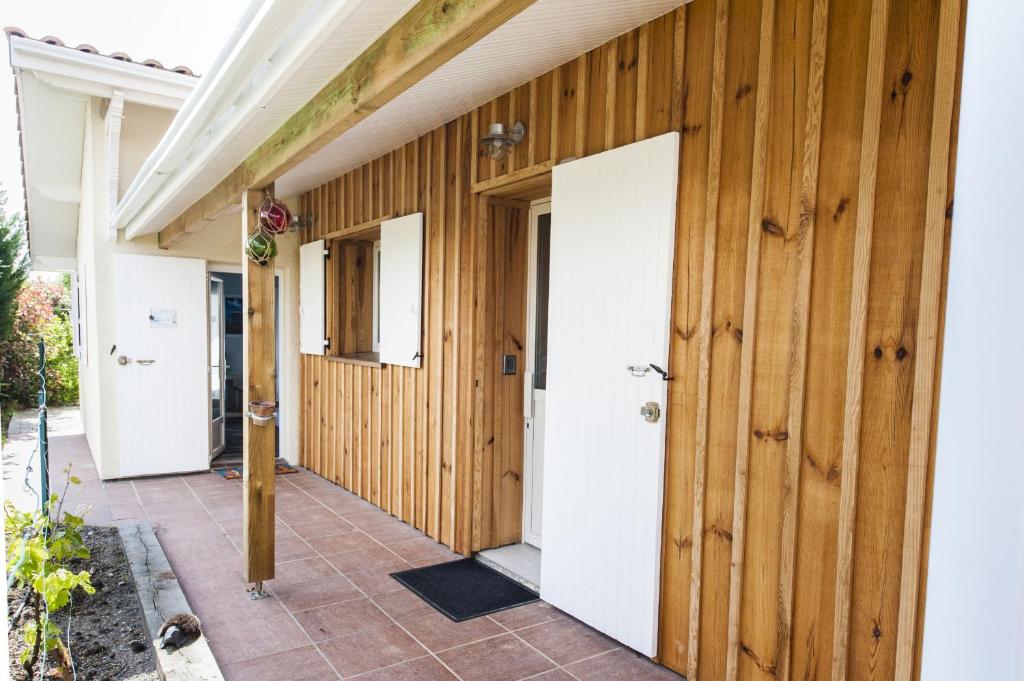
[40,545]
[42,313]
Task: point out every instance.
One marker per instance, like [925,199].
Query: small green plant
[40,545]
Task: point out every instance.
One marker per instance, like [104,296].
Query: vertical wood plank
[704,327]
[643,68]
[858,325]
[801,314]
[754,230]
[927,331]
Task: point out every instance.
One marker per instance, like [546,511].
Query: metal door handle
[145,362]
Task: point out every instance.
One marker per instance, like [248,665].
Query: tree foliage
[43,312]
[13,265]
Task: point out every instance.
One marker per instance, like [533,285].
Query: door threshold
[519,562]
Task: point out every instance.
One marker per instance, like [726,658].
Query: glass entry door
[535,388]
[216,366]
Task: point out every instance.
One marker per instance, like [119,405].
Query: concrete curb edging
[161,597]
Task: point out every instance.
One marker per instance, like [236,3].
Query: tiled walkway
[335,611]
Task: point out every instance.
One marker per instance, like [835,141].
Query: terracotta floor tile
[403,605]
[341,619]
[317,529]
[301,571]
[300,664]
[438,633]
[247,638]
[374,581]
[505,658]
[309,513]
[387,531]
[341,543]
[621,665]
[366,559]
[566,640]
[527,615]
[291,548]
[371,649]
[423,548]
[423,669]
[556,675]
[324,591]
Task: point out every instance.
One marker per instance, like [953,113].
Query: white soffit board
[53,137]
[401,290]
[311,298]
[545,35]
[364,24]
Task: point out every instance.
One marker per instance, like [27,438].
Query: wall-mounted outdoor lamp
[499,142]
[300,222]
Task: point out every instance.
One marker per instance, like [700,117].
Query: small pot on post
[261,412]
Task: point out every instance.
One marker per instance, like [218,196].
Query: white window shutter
[401,290]
[311,298]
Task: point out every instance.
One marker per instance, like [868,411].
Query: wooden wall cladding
[815,194]
[441,446]
[816,181]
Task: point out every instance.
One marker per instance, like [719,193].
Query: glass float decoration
[260,247]
[275,218]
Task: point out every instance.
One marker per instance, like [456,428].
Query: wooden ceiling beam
[426,37]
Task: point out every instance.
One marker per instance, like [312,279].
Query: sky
[186,32]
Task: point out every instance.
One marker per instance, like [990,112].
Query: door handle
[145,362]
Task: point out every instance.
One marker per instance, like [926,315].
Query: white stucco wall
[219,243]
[974,618]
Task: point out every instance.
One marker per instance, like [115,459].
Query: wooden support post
[258,442]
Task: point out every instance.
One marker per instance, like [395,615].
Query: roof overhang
[189,168]
[53,86]
[281,54]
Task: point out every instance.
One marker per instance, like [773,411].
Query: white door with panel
[163,382]
[535,376]
[612,241]
[217,365]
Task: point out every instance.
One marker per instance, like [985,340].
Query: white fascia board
[98,75]
[264,53]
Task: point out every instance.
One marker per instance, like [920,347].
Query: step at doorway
[520,562]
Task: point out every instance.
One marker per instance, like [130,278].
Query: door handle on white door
[145,362]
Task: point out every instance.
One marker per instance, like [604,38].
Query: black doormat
[464,589]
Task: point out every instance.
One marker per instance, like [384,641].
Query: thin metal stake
[44,442]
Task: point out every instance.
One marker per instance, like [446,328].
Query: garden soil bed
[109,641]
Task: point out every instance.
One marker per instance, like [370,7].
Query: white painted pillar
[974,618]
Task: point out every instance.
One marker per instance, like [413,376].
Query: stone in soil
[109,641]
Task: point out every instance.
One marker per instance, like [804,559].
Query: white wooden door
[612,238]
[535,377]
[162,374]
